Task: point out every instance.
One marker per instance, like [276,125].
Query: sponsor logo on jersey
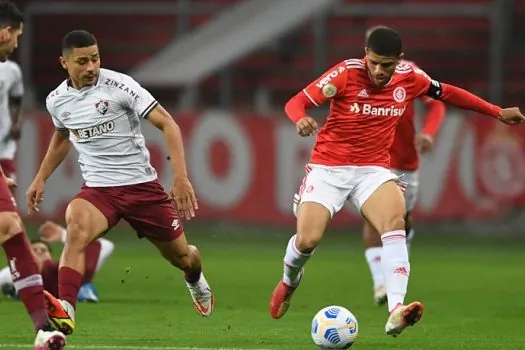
[368,109]
[121,86]
[96,130]
[329,76]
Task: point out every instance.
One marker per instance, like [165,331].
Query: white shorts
[409,183]
[332,186]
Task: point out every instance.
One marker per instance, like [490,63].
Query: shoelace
[199,292]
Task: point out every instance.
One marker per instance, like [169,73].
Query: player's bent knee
[311,225]
[78,235]
[10,225]
[393,223]
[306,243]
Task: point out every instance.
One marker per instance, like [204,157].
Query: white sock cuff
[30,281]
[393,237]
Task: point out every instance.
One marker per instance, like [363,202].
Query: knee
[78,235]
[393,223]
[306,242]
[10,225]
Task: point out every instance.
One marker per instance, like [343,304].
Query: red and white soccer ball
[334,327]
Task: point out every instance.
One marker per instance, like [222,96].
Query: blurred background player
[12,90]
[120,182]
[24,269]
[97,254]
[351,160]
[404,162]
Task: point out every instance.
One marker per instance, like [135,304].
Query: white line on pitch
[125,347]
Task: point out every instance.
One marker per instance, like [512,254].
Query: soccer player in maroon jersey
[351,160]
[24,270]
[96,255]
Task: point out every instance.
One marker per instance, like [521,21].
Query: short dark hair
[10,15]
[35,241]
[385,41]
[77,39]
[372,29]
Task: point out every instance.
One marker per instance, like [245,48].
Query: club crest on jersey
[399,94]
[329,90]
[102,106]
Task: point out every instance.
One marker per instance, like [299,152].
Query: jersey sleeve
[329,85]
[425,85]
[137,98]
[17,88]
[51,110]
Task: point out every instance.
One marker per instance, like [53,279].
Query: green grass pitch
[472,288]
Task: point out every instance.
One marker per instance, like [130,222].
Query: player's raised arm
[56,153]
[464,99]
[327,86]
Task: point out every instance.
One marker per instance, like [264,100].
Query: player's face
[41,252]
[9,40]
[381,68]
[82,65]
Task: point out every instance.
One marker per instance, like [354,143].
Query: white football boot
[202,296]
[50,340]
[403,316]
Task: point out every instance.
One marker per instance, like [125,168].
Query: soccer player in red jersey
[351,160]
[24,270]
[404,162]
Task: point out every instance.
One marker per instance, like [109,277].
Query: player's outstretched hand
[184,196]
[424,143]
[306,126]
[511,116]
[35,195]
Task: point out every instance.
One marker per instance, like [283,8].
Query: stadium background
[225,68]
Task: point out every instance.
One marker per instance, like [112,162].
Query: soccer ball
[334,327]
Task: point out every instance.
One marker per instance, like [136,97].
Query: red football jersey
[362,121]
[404,154]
